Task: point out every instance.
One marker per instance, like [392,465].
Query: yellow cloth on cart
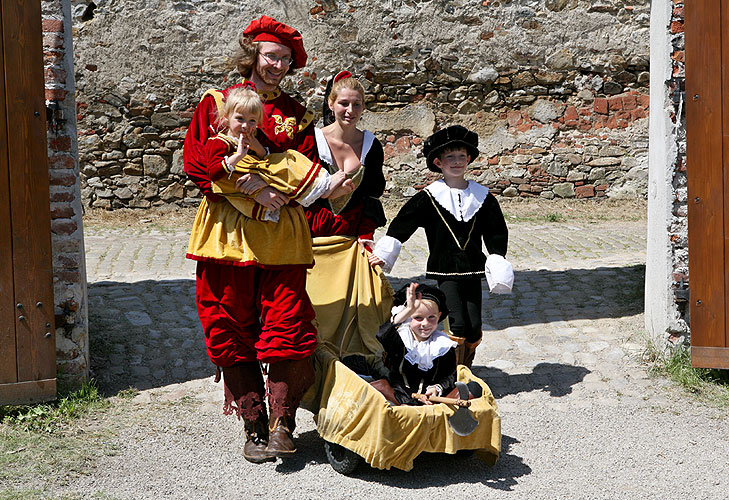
[355,415]
[352,300]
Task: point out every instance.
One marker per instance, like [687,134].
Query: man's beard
[263,75]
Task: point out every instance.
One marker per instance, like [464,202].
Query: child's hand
[423,398]
[335,180]
[240,152]
[249,183]
[255,145]
[412,297]
[271,199]
[412,301]
[432,391]
[346,188]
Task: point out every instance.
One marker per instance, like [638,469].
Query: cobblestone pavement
[572,323]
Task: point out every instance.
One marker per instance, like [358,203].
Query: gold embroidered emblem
[282,125]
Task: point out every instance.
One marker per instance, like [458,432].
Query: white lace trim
[325,153]
[423,353]
[461,203]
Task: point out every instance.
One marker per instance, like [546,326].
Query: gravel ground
[654,444]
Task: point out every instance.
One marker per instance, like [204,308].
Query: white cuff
[438,389]
[321,185]
[499,274]
[387,250]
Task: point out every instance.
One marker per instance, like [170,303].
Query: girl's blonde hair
[243,100]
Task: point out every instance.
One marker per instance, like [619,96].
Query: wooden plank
[724,58]
[8,364]
[705,172]
[29,190]
[710,357]
[35,391]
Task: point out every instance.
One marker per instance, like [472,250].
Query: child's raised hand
[412,301]
[412,297]
[240,152]
[242,147]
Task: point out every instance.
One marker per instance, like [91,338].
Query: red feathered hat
[267,29]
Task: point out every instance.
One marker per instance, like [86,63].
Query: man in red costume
[253,312]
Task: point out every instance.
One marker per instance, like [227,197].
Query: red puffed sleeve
[214,153]
[200,129]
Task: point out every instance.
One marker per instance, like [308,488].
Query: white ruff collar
[325,154]
[461,203]
[423,353]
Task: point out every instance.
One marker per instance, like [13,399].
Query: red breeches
[254,314]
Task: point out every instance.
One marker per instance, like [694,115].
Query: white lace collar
[461,203]
[423,353]
[325,154]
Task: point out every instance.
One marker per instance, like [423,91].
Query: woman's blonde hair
[243,100]
[345,83]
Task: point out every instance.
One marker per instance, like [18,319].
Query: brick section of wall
[679,224]
[69,274]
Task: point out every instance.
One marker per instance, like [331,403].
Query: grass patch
[46,417]
[44,446]
[128,393]
[674,362]
[35,494]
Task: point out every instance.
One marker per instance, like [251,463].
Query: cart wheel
[341,459]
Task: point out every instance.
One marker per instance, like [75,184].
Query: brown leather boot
[257,439]
[470,352]
[280,439]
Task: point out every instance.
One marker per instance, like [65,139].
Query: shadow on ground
[550,296]
[555,378]
[429,469]
[147,334]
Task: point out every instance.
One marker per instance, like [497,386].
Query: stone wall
[557,90]
[69,266]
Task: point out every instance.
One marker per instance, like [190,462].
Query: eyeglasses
[273,59]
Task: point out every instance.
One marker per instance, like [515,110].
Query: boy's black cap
[426,292]
[453,136]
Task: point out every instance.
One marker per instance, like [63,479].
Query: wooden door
[707,151]
[27,337]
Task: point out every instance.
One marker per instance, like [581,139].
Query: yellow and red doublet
[251,275]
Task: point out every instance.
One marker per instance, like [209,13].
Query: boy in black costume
[419,357]
[457,216]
